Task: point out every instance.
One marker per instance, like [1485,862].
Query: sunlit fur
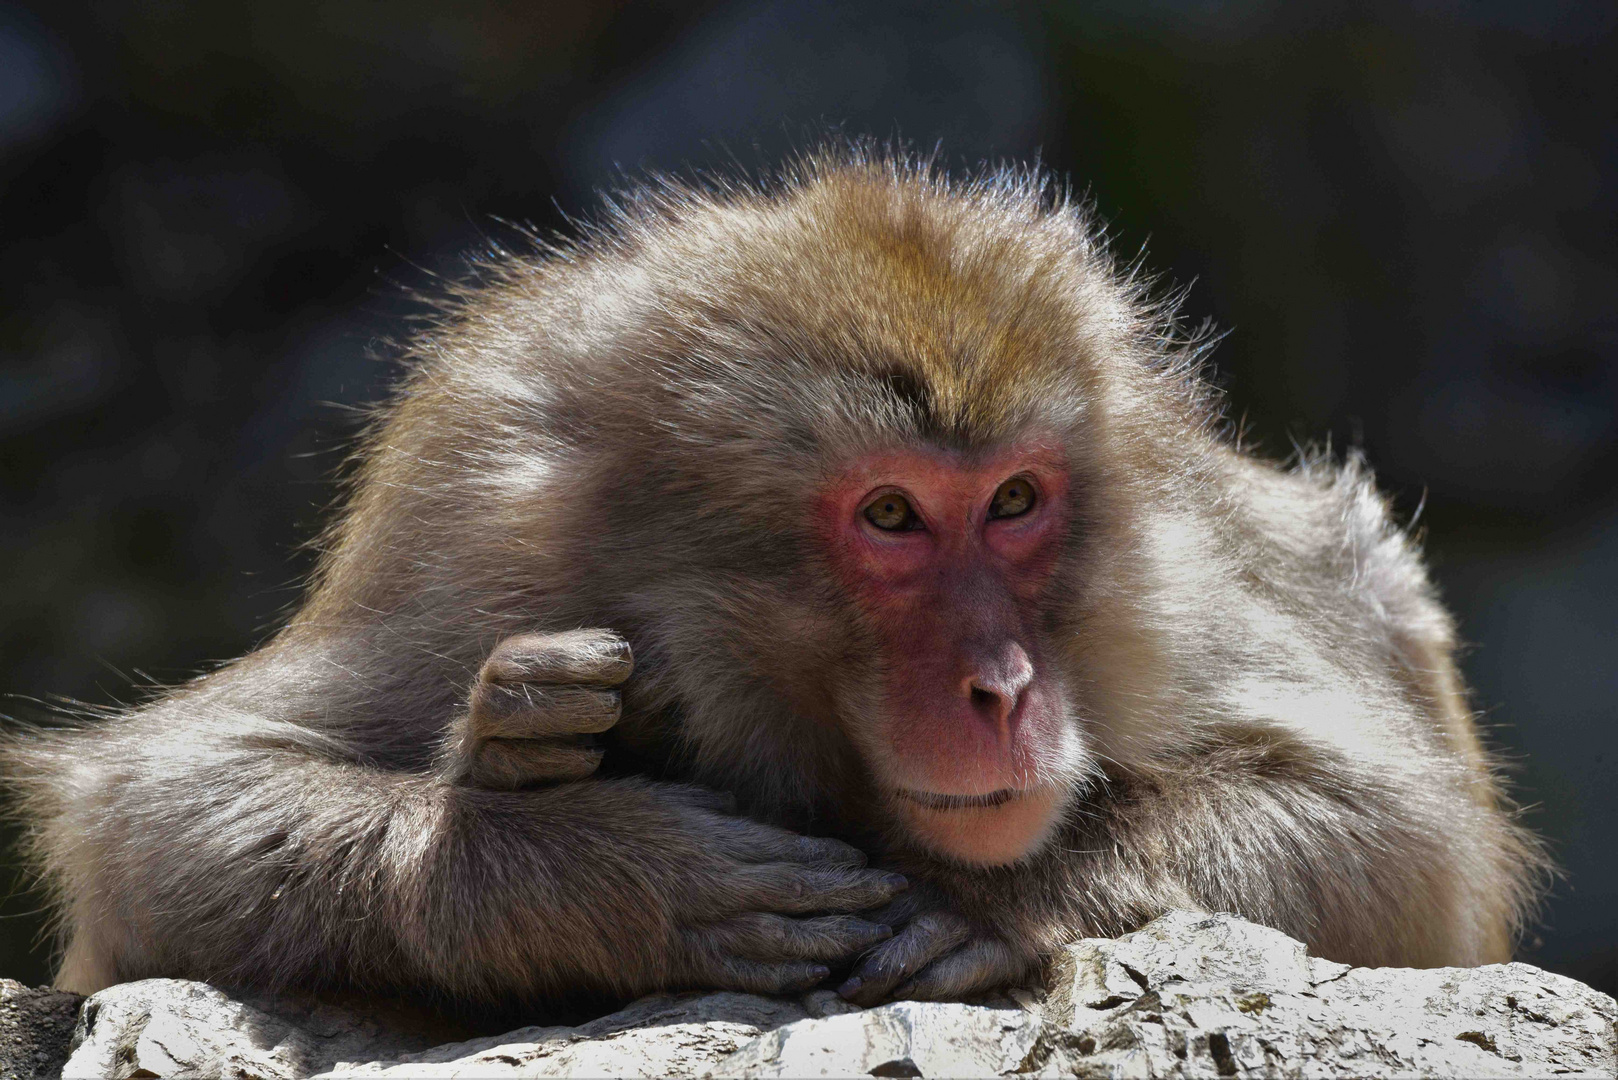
[627,431]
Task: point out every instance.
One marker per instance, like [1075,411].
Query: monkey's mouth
[959,802]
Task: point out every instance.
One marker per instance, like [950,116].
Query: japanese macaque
[843,580]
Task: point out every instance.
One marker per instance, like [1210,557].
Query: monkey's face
[948,559]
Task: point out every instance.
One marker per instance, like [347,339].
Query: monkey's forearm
[1359,872]
[249,863]
[1362,870]
[270,867]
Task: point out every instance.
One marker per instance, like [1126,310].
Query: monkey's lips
[935,801]
[993,829]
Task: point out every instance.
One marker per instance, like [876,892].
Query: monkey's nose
[996,687]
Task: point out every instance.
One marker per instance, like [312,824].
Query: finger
[507,764]
[754,977]
[981,965]
[758,936]
[822,849]
[903,908]
[751,841]
[927,938]
[526,710]
[595,657]
[797,890]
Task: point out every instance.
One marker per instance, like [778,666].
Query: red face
[949,558]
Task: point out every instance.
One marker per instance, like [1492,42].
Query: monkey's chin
[982,830]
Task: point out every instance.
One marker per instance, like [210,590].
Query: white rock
[175,1028]
[1188,995]
[681,1036]
[1199,995]
[906,1038]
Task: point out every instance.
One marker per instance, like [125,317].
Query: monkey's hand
[764,910]
[936,955]
[537,705]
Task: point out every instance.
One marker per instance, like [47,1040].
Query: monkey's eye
[1013,498]
[891,512]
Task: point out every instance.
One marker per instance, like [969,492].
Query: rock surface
[175,1028]
[35,1026]
[1215,996]
[1188,995]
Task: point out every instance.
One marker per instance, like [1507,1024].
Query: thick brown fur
[624,433]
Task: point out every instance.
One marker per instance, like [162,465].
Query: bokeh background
[212,213]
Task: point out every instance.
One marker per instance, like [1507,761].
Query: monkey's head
[854,456]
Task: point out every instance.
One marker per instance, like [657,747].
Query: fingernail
[896,881]
[883,931]
[850,988]
[820,971]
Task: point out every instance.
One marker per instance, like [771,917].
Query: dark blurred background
[211,213]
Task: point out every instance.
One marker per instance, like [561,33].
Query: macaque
[840,580]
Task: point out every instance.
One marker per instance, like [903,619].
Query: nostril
[984,699]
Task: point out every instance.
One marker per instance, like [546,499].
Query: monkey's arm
[243,857]
[1363,871]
